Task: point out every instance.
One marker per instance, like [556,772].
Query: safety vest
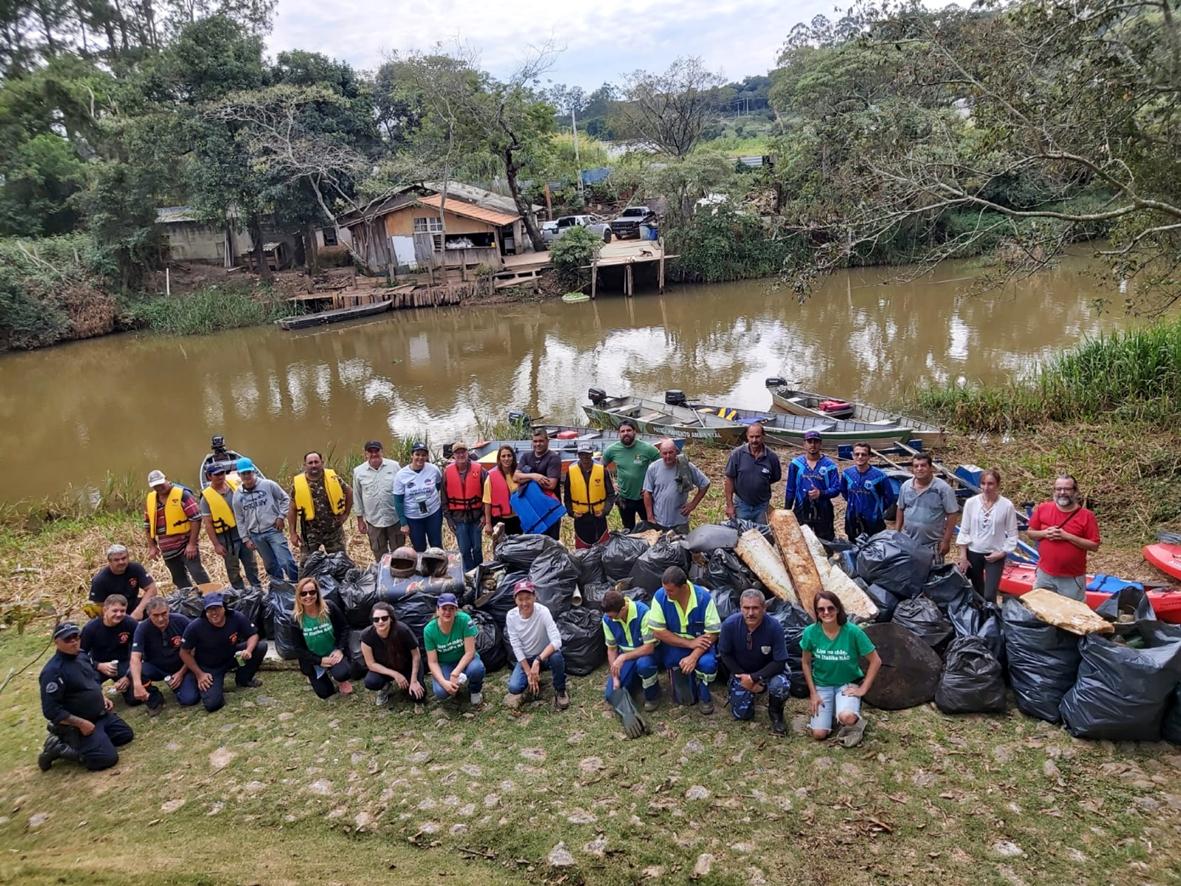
[672,614]
[176,521]
[303,495]
[500,500]
[628,633]
[466,494]
[220,511]
[583,501]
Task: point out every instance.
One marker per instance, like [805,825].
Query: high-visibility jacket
[626,633]
[220,511]
[695,622]
[466,494]
[501,506]
[587,497]
[176,521]
[303,495]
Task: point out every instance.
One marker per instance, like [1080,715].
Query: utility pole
[577,162]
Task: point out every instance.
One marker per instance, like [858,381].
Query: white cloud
[602,40]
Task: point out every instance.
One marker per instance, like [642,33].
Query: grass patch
[209,309]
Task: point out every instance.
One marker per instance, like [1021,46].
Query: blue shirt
[762,653]
[752,476]
[161,648]
[802,479]
[215,647]
[105,644]
[868,495]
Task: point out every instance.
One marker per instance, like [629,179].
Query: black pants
[555,531]
[323,685]
[181,567]
[819,516]
[629,509]
[985,576]
[857,526]
[512,524]
[97,750]
[214,697]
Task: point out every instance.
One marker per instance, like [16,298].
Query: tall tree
[668,110]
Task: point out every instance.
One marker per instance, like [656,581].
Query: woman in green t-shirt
[833,648]
[450,643]
[321,640]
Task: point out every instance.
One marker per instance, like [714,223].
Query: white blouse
[985,530]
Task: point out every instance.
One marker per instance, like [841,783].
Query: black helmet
[403,562]
[434,562]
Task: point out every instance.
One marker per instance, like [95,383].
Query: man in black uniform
[121,575]
[82,724]
[107,640]
[155,657]
[218,643]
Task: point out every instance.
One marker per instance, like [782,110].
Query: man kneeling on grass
[629,659]
[685,621]
[217,643]
[537,646]
[754,650]
[155,658]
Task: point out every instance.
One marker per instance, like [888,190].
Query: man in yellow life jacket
[590,495]
[322,501]
[172,523]
[217,515]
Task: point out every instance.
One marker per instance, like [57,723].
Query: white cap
[157,478]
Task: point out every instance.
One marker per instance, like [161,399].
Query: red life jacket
[467,495]
[501,506]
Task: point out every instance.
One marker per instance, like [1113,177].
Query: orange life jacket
[500,500]
[466,494]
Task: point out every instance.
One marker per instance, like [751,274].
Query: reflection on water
[126,404]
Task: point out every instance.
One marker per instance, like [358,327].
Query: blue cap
[419,446]
[212,600]
[812,435]
[65,629]
[245,464]
[447,600]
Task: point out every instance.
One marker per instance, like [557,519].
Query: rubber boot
[54,749]
[707,701]
[775,711]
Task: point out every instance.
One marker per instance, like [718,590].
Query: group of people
[137,644]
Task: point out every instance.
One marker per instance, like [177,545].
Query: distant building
[189,239]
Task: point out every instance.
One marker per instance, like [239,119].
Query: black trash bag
[356,658]
[947,586]
[555,576]
[989,630]
[893,560]
[794,619]
[882,598]
[725,601]
[490,642]
[313,565]
[188,602]
[1122,692]
[922,615]
[620,553]
[415,611]
[973,681]
[910,668]
[1042,660]
[329,588]
[248,601]
[1171,728]
[358,593]
[519,551]
[320,565]
[583,645]
[498,603]
[726,570]
[281,626]
[593,594]
[590,566]
[639,595]
[741,526]
[648,569]
[1125,608]
[708,538]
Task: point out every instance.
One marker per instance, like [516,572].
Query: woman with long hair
[391,655]
[498,486]
[321,640]
[833,648]
[988,533]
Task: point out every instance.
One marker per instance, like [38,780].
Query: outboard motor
[596,395]
[675,398]
[218,445]
[775,381]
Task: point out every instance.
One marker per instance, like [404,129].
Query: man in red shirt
[1065,532]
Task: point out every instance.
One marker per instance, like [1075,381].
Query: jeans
[377,682]
[984,575]
[186,693]
[214,697]
[471,543]
[643,669]
[518,682]
[384,539]
[97,750]
[833,703]
[1072,586]
[237,554]
[742,700]
[426,532]
[322,685]
[629,509]
[753,513]
[181,567]
[475,677]
[276,554]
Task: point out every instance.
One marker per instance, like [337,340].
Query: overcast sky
[601,39]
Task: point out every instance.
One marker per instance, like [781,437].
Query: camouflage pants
[331,536]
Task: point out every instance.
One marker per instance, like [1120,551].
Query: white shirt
[373,492]
[420,491]
[985,531]
[530,636]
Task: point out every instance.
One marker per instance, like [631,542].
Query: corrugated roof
[167,215]
[467,210]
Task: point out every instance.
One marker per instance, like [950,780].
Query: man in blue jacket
[813,481]
[868,495]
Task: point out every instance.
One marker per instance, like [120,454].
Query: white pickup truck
[551,231]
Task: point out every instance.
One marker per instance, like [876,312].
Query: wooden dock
[627,254]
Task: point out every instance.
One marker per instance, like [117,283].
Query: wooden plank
[796,557]
[757,553]
[1070,615]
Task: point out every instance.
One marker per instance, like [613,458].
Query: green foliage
[572,252]
[722,243]
[50,292]
[208,310]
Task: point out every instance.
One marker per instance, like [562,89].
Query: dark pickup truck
[627,223]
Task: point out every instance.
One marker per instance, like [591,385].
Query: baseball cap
[157,478]
[811,435]
[419,446]
[447,600]
[217,467]
[212,600]
[373,445]
[524,586]
[459,444]
[588,448]
[65,629]
[245,465]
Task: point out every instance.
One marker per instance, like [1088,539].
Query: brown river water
[122,405]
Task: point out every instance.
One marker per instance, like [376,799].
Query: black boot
[775,711]
[54,748]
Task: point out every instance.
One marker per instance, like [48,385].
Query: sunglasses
[309,593]
[379,619]
[826,609]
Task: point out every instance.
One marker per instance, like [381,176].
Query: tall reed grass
[208,310]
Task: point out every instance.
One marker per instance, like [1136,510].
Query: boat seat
[654,416]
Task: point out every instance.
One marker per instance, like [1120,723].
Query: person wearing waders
[685,621]
[813,481]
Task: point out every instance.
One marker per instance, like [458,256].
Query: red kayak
[1165,557]
[1018,579]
